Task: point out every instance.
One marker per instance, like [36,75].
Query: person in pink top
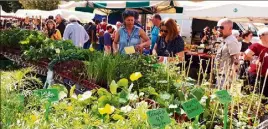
[261,51]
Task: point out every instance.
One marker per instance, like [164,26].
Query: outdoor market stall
[237,11]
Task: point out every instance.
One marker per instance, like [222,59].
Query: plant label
[223,96]
[192,108]
[198,93]
[158,118]
[130,50]
[50,94]
[21,102]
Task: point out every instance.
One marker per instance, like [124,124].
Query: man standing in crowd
[61,24]
[108,40]
[227,57]
[92,33]
[155,30]
[103,24]
[75,32]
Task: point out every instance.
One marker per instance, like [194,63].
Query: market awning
[143,7]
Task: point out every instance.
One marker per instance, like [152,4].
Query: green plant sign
[223,96]
[192,108]
[50,94]
[158,118]
[21,100]
[198,93]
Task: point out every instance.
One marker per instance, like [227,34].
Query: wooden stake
[205,74]
[211,72]
[199,73]
[263,86]
[255,85]
[189,66]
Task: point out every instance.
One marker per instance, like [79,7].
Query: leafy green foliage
[40,4]
[11,38]
[10,6]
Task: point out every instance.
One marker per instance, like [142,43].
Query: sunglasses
[164,31]
[220,27]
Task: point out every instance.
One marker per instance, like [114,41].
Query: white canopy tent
[82,16]
[5,14]
[70,5]
[32,13]
[239,11]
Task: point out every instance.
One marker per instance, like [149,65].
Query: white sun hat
[263,31]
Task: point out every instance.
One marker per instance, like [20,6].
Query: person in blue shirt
[130,35]
[156,19]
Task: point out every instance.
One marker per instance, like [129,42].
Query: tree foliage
[40,4]
[10,6]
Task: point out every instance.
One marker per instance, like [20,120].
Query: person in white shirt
[75,32]
[227,56]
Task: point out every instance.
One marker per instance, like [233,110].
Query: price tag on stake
[223,96]
[130,50]
[50,94]
[192,108]
[158,118]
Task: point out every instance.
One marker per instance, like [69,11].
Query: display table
[196,58]
[41,67]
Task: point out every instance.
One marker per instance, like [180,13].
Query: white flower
[239,124]
[141,94]
[217,127]
[142,103]
[85,96]
[126,109]
[173,106]
[182,111]
[18,122]
[165,96]
[62,95]
[130,87]
[163,81]
[213,96]
[52,46]
[203,99]
[206,84]
[132,97]
[74,96]
[57,51]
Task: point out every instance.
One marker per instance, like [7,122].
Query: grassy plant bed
[119,106]
[133,85]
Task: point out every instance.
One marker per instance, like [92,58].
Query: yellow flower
[96,123]
[101,111]
[86,118]
[108,109]
[118,117]
[33,118]
[91,49]
[144,116]
[179,80]
[135,76]
[70,108]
